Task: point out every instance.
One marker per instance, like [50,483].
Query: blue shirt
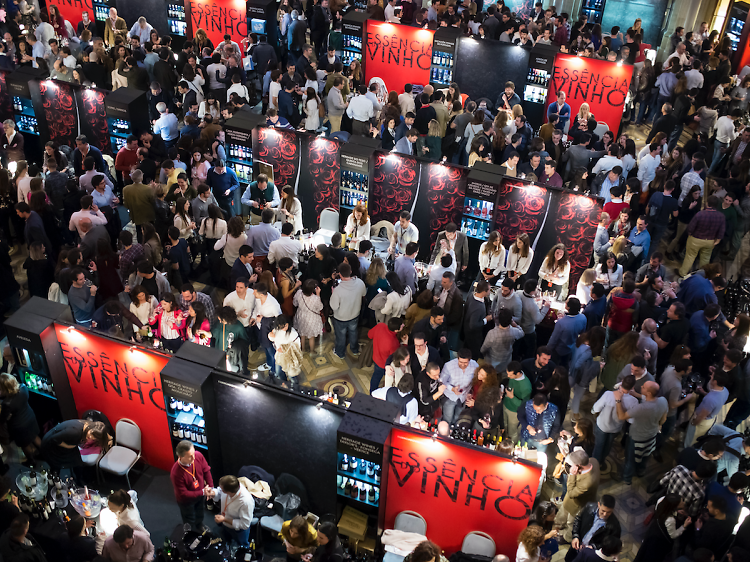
[563,112]
[598,524]
[642,239]
[713,402]
[167,127]
[699,336]
[606,187]
[260,237]
[566,332]
[696,292]
[102,200]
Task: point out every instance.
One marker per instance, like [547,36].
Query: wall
[397,54]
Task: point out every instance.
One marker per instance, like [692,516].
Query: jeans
[718,157]
[631,467]
[657,233]
[656,107]
[241,537]
[192,513]
[666,431]
[344,330]
[603,444]
[647,101]
[578,393]
[270,358]
[738,413]
[675,137]
[540,447]
[377,375]
[452,410]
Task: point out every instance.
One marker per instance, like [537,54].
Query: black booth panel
[485,66]
[279,432]
[155,12]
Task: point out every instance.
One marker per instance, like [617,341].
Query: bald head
[651,390]
[85,224]
[444,429]
[649,326]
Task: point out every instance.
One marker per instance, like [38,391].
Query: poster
[481,491]
[602,84]
[397,54]
[218,18]
[94,118]
[280,149]
[440,202]
[107,376]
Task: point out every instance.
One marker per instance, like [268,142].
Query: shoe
[657,457]
[353,353]
[342,357]
[12,251]
[264,367]
[670,256]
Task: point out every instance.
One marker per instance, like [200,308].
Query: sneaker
[342,357]
[264,367]
[355,354]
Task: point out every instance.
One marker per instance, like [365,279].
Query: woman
[201,41]
[580,180]
[418,310]
[60,445]
[18,417]
[290,209]
[544,517]
[584,365]
[51,150]
[154,38]
[582,438]
[81,547]
[197,325]
[143,306]
[669,523]
[122,505]
[453,95]
[199,168]
[491,259]
[736,338]
[312,117]
[609,272]
[23,55]
[288,356]
[357,227]
[308,319]
[267,278]
[520,256]
[353,261]
[152,249]
[674,163]
[22,180]
[397,301]
[299,537]
[182,218]
[231,243]
[583,116]
[212,229]
[585,282]
[628,158]
[321,268]
[375,279]
[388,136]
[555,270]
[619,354]
[194,78]
[739,95]
[691,205]
[169,322]
[107,263]
[529,542]
[40,271]
[288,284]
[330,549]
[430,147]
[399,365]
[557,388]
[472,129]
[354,72]
[58,22]
[210,106]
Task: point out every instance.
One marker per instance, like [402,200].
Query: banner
[397,54]
[279,148]
[58,107]
[94,118]
[318,187]
[107,376]
[218,18]
[482,491]
[602,84]
[395,183]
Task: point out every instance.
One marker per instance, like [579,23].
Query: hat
[577,458]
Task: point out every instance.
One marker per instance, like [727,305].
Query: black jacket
[165,75]
[664,124]
[584,521]
[13,551]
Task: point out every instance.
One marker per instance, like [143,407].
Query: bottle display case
[20,83]
[538,82]
[353,31]
[444,53]
[176,18]
[127,114]
[593,10]
[101,9]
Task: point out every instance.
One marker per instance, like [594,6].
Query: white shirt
[268,309]
[246,305]
[406,101]
[273,92]
[606,163]
[518,263]
[608,421]
[725,132]
[647,169]
[411,406]
[374,99]
[682,57]
[143,33]
[24,184]
[75,219]
[694,79]
[357,231]
[360,109]
[404,236]
[607,278]
[493,261]
[132,518]
[284,247]
[239,508]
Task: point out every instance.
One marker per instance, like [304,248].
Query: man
[404,266]
[579,155]
[384,336]
[361,111]
[406,102]
[346,303]
[697,292]
[648,165]
[192,482]
[188,296]
[236,510]
[136,76]
[508,299]
[689,484]
[17,545]
[243,266]
[407,143]
[533,166]
[428,390]
[261,194]
[476,318]
[164,72]
[114,27]
[145,275]
[540,425]
[608,185]
[404,232]
[336,104]
[421,355]
[402,396]
[451,301]
[130,254]
[262,235]
[125,545]
[640,241]
[12,143]
[285,247]
[561,109]
[671,389]
[138,199]
[671,334]
[740,410]
[372,95]
[596,308]
[701,333]
[436,273]
[166,125]
[594,524]
[612,159]
[457,375]
[712,450]
[441,110]
[524,129]
[518,391]
[653,267]
[82,298]
[266,310]
[531,315]
[665,124]
[726,132]
[432,328]
[738,482]
[550,175]
[608,424]
[697,167]
[567,329]
[715,533]
[497,348]
[127,158]
[705,414]
[646,419]
[456,241]
[33,230]
[508,98]
[85,181]
[637,368]
[242,301]
[84,149]
[224,182]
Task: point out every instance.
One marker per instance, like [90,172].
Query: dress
[16,412]
[308,321]
[69,432]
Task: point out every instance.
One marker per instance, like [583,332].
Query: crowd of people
[479,342]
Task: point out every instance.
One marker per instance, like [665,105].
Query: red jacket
[622,307]
[182,479]
[384,343]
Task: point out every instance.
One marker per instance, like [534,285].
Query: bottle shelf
[341,493]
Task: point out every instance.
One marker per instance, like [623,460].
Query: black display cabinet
[239,144]
[444,51]
[593,10]
[189,397]
[735,23]
[261,19]
[177,22]
[33,342]
[127,114]
[355,177]
[353,31]
[20,85]
[101,10]
[541,65]
[480,204]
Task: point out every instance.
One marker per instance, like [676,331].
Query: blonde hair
[619,245]
[588,277]
[9,385]
[433,129]
[517,110]
[375,271]
[584,109]
[501,121]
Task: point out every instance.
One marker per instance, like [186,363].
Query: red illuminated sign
[105,375]
[602,84]
[481,491]
[397,54]
[218,18]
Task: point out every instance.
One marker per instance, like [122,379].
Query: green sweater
[521,393]
[435,146]
[219,333]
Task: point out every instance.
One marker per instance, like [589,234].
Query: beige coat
[582,489]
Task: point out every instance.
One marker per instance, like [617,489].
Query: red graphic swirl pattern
[445,194]
[575,226]
[59,107]
[94,118]
[394,186]
[279,149]
[323,164]
[520,208]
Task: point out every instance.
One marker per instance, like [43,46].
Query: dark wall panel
[624,12]
[56,111]
[155,12]
[280,149]
[94,118]
[280,433]
[481,79]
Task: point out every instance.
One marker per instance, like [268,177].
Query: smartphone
[380,290]
[299,274]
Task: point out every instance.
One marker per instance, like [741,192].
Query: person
[593,525]
[714,533]
[518,391]
[520,256]
[583,483]
[17,545]
[646,420]
[329,546]
[346,303]
[476,318]
[497,348]
[357,226]
[81,547]
[266,310]
[457,375]
[455,241]
[738,482]
[308,319]
[290,209]
[60,444]
[705,231]
[236,504]
[192,482]
[697,292]
[609,273]
[710,450]
[17,415]
[560,108]
[555,270]
[12,142]
[127,544]
[539,422]
[262,235]
[385,342]
[566,331]
[82,297]
[122,504]
[671,389]
[404,232]
[299,537]
[491,258]
[705,415]
[610,548]
[529,542]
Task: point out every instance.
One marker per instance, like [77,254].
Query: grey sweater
[530,314]
[346,299]
[512,303]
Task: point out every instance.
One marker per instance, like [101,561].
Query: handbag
[559,469]
[286,505]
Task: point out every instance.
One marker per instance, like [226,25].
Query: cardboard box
[353,523]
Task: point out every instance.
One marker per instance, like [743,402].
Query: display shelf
[356,474]
[367,502]
[197,445]
[442,68]
[27,124]
[22,106]
[353,37]
[444,53]
[101,10]
[176,18]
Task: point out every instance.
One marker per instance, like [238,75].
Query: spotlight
[434,437]
[319,405]
[70,329]
[133,349]
[246,384]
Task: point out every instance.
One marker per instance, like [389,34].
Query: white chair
[329,219]
[409,522]
[601,128]
[126,451]
[478,543]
